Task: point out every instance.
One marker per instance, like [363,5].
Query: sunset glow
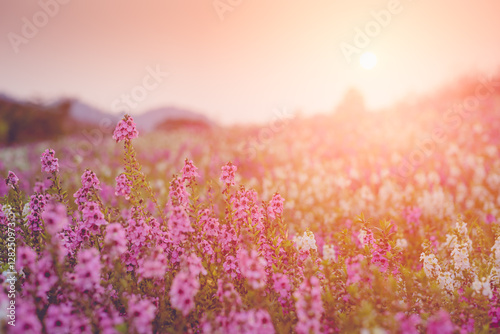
[368,60]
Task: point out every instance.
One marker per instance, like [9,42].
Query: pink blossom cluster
[252,267]
[115,240]
[154,265]
[55,218]
[12,180]
[275,208]
[125,130]
[178,195]
[179,224]
[90,186]
[408,324]
[142,313]
[440,323]
[36,205]
[309,306]
[186,285]
[189,171]
[235,319]
[228,174]
[354,269]
[50,163]
[87,274]
[123,186]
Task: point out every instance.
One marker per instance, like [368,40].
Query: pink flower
[116,239]
[50,163]
[253,268]
[57,319]
[183,290]
[12,180]
[440,323]
[93,217]
[90,180]
[251,321]
[178,195]
[37,203]
[282,285]
[90,184]
[275,208]
[467,326]
[125,130]
[178,224]
[309,306]
[380,261]
[155,265]
[490,218]
[227,293]
[55,218]
[194,265]
[41,187]
[408,324]
[45,276]
[230,266]
[26,318]
[189,171]
[211,227]
[142,313]
[108,319]
[228,172]
[186,285]
[88,270]
[353,267]
[26,257]
[123,186]
[243,202]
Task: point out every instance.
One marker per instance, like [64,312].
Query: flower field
[325,224]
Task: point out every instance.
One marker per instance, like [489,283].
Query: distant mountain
[85,113]
[152,119]
[146,122]
[28,121]
[7,99]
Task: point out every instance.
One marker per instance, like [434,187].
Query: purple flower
[12,180]
[123,186]
[125,130]
[50,163]
[228,172]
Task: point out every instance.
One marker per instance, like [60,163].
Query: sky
[239,60]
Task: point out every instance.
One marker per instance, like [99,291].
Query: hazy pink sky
[265,54]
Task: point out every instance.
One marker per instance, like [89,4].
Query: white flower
[447,281]
[305,242]
[7,210]
[496,252]
[402,243]
[26,210]
[431,266]
[451,241]
[483,287]
[329,253]
[461,228]
[460,257]
[494,276]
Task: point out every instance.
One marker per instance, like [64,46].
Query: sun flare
[368,60]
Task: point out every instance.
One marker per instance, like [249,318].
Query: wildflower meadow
[329,225]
